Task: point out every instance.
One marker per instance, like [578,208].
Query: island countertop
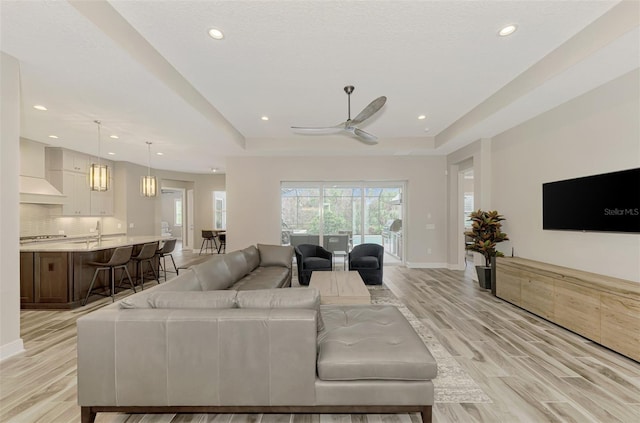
[90,244]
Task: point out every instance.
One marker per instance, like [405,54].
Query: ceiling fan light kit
[350,125]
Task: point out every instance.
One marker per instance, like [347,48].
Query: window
[468,209]
[340,215]
[177,212]
[219,209]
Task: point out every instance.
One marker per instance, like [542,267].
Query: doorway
[341,215]
[172,213]
[467,206]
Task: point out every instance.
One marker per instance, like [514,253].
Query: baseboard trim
[11,349]
[426,265]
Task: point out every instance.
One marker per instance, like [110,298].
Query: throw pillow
[252,255]
[275,255]
[213,274]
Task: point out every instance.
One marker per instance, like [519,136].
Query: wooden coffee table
[340,288]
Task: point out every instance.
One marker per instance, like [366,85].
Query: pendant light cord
[149,159]
[99,137]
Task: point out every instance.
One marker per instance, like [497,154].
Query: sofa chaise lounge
[181,347]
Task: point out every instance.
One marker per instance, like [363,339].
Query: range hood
[39,191]
[34,188]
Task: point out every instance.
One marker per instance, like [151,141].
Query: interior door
[188,244]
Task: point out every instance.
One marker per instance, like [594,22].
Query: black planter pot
[484,276]
[493,275]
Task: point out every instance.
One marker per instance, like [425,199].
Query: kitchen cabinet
[26,275]
[76,187]
[68,171]
[102,201]
[50,278]
[44,278]
[63,159]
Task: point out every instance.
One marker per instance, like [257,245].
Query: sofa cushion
[317,263]
[213,274]
[182,300]
[366,262]
[305,298]
[264,278]
[237,264]
[366,342]
[252,255]
[275,255]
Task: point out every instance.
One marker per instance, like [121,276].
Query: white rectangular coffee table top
[340,288]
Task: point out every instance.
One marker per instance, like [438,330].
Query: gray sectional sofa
[220,339]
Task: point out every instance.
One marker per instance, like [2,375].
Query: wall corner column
[10,341]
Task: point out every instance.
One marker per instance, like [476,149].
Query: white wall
[597,132]
[253,196]
[146,213]
[10,341]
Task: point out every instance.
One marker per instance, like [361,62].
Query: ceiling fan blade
[365,137]
[318,129]
[370,110]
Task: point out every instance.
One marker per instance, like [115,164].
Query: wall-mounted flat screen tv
[609,202]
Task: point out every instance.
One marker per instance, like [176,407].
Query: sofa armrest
[165,357]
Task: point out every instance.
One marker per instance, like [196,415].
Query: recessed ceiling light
[216,34]
[426,129]
[265,118]
[40,107]
[214,169]
[507,30]
[115,137]
[422,117]
[159,153]
[111,153]
[55,137]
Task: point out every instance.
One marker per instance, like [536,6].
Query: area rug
[453,384]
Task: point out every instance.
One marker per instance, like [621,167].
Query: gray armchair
[367,260]
[311,258]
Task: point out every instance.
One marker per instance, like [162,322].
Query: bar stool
[146,255]
[208,241]
[118,260]
[162,253]
[222,237]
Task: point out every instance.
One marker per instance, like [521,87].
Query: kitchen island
[56,275]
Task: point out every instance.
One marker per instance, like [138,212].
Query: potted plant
[485,233]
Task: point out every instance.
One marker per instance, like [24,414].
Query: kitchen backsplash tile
[39,219]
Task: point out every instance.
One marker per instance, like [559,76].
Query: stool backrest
[168,246]
[148,251]
[120,256]
[207,234]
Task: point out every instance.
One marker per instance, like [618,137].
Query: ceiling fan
[349,126]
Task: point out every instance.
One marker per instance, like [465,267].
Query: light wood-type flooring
[532,370]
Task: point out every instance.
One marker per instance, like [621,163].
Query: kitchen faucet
[99,231]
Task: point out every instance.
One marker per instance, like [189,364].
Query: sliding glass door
[340,215]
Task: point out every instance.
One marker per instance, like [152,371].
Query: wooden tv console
[601,308]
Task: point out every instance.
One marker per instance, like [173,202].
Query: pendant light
[148,184]
[99,173]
